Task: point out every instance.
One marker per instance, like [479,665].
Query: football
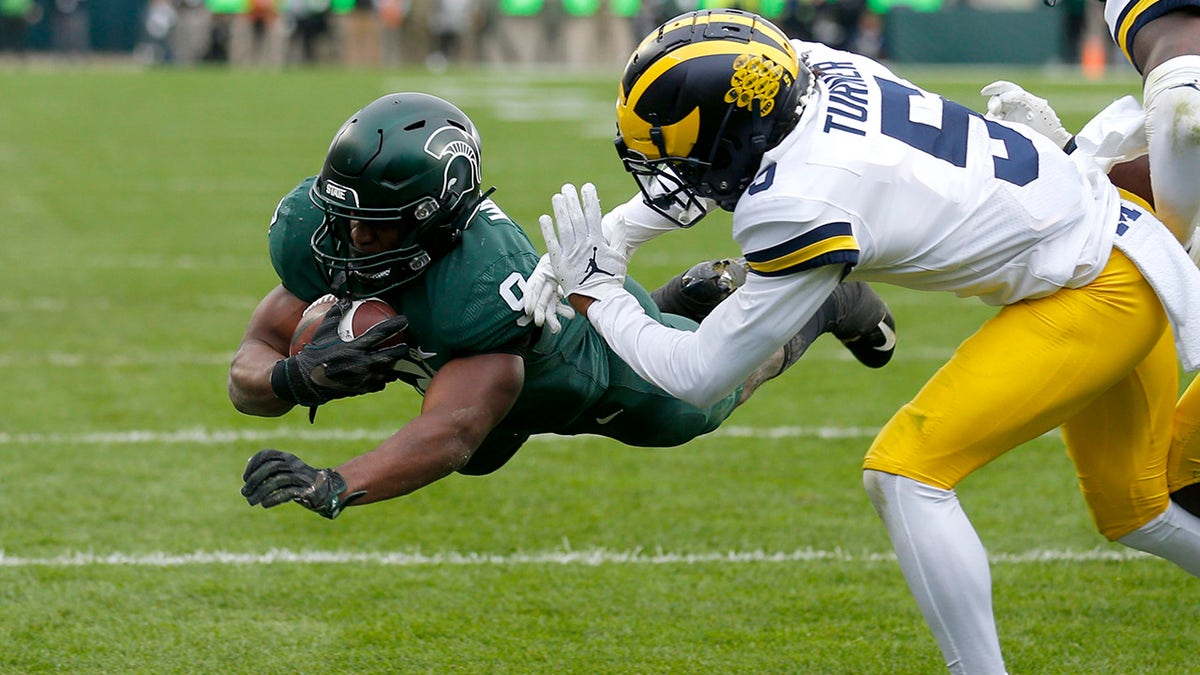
[362,315]
[309,320]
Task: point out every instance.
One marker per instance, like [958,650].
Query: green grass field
[135,207]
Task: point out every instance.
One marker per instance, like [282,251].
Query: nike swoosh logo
[608,418]
[424,355]
[889,338]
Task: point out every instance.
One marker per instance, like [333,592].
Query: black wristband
[288,384]
[281,383]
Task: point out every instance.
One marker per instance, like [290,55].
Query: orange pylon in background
[1093,57]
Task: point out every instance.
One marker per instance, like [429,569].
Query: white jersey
[914,190]
[891,184]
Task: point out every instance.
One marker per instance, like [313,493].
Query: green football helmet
[410,159]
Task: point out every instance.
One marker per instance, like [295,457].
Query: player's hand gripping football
[330,368]
[585,263]
[1008,102]
[544,297]
[273,477]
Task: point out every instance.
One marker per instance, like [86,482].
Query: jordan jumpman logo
[593,268]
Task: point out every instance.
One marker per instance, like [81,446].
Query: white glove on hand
[1010,103]
[584,262]
[544,299]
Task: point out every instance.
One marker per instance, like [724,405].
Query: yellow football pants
[1183,467]
[1099,361]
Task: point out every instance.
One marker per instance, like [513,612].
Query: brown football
[362,315]
[309,320]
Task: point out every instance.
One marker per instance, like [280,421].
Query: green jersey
[471,302]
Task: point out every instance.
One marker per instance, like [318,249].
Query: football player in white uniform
[835,167]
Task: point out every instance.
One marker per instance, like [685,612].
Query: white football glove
[584,261]
[544,298]
[1010,103]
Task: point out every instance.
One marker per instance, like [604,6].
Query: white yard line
[587,558]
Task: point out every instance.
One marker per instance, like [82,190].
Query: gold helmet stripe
[785,58]
[678,138]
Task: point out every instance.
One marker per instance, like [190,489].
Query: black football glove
[329,368]
[273,477]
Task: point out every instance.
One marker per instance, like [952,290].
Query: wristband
[281,386]
[281,382]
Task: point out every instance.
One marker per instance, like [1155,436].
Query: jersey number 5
[1019,166]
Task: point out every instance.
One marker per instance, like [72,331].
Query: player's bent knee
[875,483]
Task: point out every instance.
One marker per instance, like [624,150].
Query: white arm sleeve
[739,335]
[642,223]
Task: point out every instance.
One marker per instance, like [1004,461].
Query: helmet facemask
[361,274]
[663,187]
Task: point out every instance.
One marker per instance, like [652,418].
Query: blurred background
[573,33]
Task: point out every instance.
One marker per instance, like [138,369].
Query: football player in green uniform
[398,213]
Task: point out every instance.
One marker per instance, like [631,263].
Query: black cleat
[697,292]
[864,325]
[856,316]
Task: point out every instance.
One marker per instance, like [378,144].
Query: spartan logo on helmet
[458,151]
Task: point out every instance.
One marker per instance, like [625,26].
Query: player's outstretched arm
[465,400]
